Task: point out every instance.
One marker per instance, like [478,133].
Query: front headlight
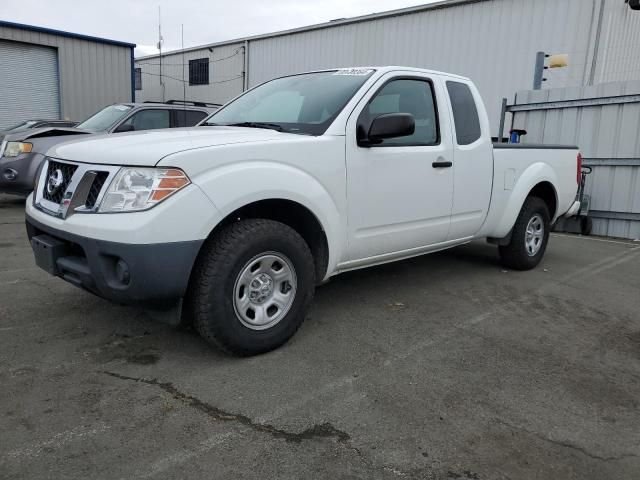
[13,149]
[135,189]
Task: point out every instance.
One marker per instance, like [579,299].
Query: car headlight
[134,189]
[13,149]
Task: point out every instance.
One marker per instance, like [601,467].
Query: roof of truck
[392,68]
[384,69]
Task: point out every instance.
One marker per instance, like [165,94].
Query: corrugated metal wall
[493,42]
[618,55]
[604,121]
[226,64]
[92,74]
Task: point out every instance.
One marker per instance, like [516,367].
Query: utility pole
[184,86]
[160,40]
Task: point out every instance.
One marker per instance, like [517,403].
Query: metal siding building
[60,74]
[225,75]
[494,42]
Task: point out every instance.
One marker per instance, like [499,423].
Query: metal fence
[604,121]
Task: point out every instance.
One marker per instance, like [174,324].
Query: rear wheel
[529,237]
[252,287]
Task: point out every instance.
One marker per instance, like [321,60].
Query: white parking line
[596,239]
[59,440]
[178,458]
[18,270]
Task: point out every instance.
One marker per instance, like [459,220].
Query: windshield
[22,126]
[304,104]
[105,118]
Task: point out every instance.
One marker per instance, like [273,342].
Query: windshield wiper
[271,126]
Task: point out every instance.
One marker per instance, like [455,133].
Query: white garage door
[28,83]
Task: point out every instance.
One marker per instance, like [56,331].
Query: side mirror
[389,125]
[634,4]
[125,127]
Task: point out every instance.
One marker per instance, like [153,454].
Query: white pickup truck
[232,224]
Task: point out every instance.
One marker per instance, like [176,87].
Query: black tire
[586,226]
[515,255]
[210,300]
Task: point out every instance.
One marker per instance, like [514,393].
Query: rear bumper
[151,275]
[575,207]
[18,174]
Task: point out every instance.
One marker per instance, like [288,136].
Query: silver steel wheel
[534,235]
[264,290]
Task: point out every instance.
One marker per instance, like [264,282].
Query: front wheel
[252,286]
[529,237]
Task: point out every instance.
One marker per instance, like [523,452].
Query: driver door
[400,192]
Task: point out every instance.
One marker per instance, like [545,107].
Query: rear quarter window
[465,113]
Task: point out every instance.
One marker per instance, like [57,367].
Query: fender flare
[534,175]
[234,186]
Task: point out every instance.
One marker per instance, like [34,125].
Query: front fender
[233,186]
[536,173]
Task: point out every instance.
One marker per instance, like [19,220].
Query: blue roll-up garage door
[28,83]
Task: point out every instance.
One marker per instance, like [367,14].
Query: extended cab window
[406,96]
[148,120]
[465,113]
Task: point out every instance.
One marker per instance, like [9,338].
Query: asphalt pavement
[441,367]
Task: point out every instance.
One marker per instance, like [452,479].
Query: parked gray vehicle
[22,152]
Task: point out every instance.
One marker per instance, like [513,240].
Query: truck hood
[147,148]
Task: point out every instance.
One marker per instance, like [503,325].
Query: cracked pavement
[440,367]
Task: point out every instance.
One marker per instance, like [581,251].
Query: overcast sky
[205,21]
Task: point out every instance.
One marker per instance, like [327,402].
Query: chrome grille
[66,172]
[96,188]
[66,188]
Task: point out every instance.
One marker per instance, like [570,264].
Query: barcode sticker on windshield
[353,71]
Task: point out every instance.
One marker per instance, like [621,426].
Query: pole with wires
[160,49]
[184,85]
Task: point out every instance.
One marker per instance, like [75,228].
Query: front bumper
[17,174]
[151,275]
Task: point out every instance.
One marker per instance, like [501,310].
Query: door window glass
[406,96]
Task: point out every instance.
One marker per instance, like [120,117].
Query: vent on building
[199,71]
[138,78]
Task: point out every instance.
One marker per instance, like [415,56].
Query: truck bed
[518,168]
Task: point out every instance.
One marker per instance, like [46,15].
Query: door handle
[442,164]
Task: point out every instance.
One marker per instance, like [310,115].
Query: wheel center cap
[261,288]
